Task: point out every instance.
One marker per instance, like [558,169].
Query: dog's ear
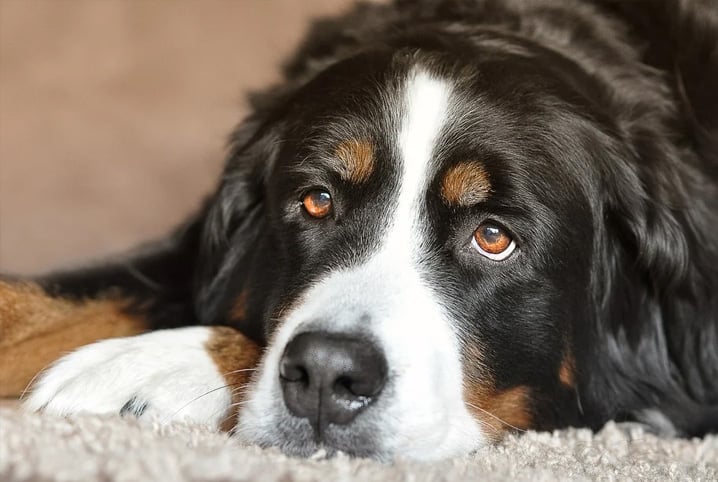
[234,217]
[653,209]
[657,200]
[654,280]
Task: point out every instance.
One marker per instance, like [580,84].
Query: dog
[452,220]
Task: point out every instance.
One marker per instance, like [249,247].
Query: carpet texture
[38,447]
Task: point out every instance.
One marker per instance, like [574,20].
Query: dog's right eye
[317,203]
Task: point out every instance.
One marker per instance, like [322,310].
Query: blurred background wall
[114,114]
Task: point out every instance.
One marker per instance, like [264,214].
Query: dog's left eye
[493,241]
[317,203]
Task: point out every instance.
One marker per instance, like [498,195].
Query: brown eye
[317,203]
[493,241]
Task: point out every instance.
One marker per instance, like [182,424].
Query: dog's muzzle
[329,379]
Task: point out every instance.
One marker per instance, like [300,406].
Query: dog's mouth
[322,404]
[297,437]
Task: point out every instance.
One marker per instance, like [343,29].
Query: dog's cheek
[496,410]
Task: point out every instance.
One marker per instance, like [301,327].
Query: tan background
[114,114]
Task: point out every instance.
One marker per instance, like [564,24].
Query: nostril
[357,387]
[343,387]
[293,373]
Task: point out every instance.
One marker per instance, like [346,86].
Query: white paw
[160,376]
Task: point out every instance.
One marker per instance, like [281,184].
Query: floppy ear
[658,200]
[234,219]
[659,210]
[655,273]
[650,209]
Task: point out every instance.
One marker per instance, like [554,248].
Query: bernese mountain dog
[452,219]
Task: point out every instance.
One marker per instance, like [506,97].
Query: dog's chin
[295,437]
[365,438]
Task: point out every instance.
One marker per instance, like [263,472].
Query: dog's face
[423,255]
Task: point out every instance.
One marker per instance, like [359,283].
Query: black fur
[598,122]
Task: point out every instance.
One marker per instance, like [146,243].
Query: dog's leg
[191,373]
[194,374]
[42,319]
[36,329]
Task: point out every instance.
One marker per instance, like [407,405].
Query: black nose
[329,378]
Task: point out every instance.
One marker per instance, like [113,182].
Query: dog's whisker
[241,402]
[514,427]
[197,398]
[35,377]
[241,370]
[489,427]
[142,278]
[230,415]
[240,392]
[232,410]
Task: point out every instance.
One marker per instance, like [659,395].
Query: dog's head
[419,235]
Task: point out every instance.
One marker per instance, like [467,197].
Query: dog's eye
[493,241]
[317,203]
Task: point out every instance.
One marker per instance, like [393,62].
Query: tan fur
[566,371]
[239,309]
[465,184]
[507,409]
[496,410]
[236,356]
[36,330]
[357,160]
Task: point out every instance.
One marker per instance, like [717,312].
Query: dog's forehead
[400,130]
[371,125]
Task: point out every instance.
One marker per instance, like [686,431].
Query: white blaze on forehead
[426,101]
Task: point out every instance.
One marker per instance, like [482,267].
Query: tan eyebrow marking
[465,184]
[357,160]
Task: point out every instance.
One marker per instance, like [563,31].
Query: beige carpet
[35,447]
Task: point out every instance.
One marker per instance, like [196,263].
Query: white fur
[425,417]
[168,370]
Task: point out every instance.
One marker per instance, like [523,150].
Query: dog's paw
[161,376]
